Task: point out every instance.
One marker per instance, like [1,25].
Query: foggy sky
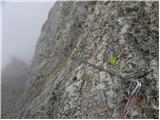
[21,25]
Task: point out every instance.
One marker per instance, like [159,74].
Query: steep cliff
[71,75]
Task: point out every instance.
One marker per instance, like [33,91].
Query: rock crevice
[68,77]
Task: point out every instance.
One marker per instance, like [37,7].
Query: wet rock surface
[70,76]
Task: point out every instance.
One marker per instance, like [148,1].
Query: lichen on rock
[77,37]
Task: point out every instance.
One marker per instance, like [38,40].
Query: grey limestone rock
[70,76]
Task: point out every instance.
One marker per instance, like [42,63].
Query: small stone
[121,41]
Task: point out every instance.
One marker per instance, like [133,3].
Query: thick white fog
[21,25]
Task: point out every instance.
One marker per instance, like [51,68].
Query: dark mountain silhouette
[14,77]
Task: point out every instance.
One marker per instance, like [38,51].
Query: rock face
[14,78]
[70,76]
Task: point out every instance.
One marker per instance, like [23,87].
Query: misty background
[21,25]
